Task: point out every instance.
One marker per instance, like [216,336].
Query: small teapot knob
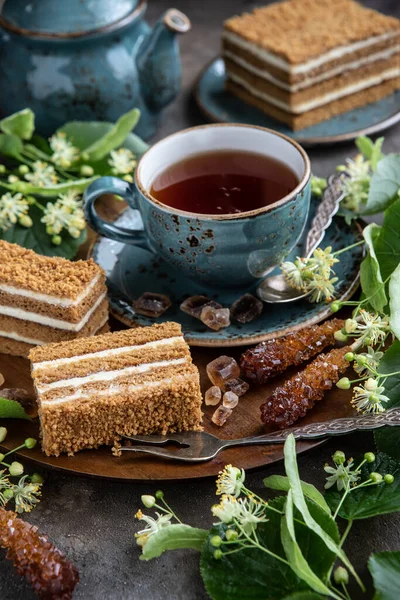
[177,21]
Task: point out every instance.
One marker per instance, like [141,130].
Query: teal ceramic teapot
[87,60]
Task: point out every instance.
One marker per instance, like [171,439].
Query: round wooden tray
[244,421]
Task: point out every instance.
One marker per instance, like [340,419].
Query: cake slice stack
[44,300]
[91,391]
[305,61]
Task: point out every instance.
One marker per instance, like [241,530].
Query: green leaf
[98,139]
[10,409]
[377,154]
[387,245]
[21,124]
[372,151]
[10,145]
[115,137]
[385,183]
[49,191]
[365,146]
[37,239]
[394,301]
[370,275]
[83,134]
[256,575]
[173,537]
[385,570]
[294,554]
[368,502]
[387,439]
[281,483]
[299,501]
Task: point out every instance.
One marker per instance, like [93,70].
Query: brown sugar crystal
[92,391]
[296,396]
[49,572]
[272,357]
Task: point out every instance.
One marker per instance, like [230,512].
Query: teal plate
[223,107]
[131,271]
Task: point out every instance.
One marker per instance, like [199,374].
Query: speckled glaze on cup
[218,250]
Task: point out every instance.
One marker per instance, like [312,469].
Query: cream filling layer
[281,63]
[20,338]
[12,335]
[356,64]
[53,300]
[320,100]
[117,389]
[18,313]
[58,362]
[109,375]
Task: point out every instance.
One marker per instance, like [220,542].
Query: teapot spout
[158,60]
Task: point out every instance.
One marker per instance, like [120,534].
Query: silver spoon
[275,289]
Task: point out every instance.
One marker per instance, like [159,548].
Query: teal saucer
[131,271]
[221,106]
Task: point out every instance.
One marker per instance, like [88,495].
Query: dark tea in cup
[224,182]
[214,201]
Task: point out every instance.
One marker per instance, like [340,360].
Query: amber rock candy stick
[50,574]
[274,356]
[296,396]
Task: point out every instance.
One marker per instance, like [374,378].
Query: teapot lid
[66,17]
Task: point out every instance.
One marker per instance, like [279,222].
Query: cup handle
[113,185]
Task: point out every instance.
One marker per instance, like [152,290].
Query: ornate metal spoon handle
[342,426]
[327,208]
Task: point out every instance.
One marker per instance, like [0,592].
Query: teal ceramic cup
[217,250]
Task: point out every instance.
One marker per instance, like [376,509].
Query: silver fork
[199,446]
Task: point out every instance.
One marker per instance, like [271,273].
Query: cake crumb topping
[54,276]
[299,30]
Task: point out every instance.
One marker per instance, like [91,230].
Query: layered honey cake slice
[91,391]
[305,61]
[45,300]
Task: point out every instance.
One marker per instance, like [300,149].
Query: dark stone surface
[93,520]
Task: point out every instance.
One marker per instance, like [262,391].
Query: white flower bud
[56,240]
[87,171]
[25,221]
[148,501]
[16,469]
[350,325]
[371,384]
[340,336]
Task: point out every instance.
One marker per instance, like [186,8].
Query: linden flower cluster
[242,514]
[313,274]
[66,213]
[368,329]
[42,174]
[356,182]
[318,185]
[26,493]
[122,162]
[163,519]
[14,209]
[239,509]
[345,475]
[64,152]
